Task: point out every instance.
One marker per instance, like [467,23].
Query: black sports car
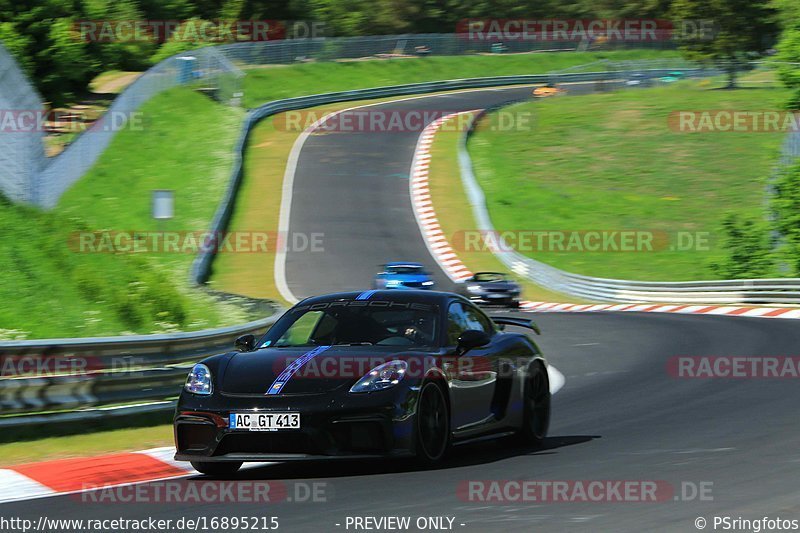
[370,374]
[491,288]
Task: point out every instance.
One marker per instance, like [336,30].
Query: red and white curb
[432,233]
[448,260]
[69,476]
[85,474]
[727,310]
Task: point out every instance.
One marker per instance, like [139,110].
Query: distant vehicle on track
[672,77]
[403,275]
[548,90]
[376,374]
[491,288]
[637,79]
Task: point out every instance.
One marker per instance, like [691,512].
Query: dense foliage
[772,247]
[41,33]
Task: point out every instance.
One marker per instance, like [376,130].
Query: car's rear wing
[519,322]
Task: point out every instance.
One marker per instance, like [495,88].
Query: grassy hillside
[52,289]
[283,81]
[612,162]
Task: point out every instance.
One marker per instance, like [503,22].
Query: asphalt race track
[620,416]
[354,189]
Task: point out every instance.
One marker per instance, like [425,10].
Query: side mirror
[245,343]
[471,338]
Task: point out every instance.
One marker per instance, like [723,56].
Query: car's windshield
[489,276]
[356,325]
[404,269]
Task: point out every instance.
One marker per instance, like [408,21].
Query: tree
[789,70]
[116,54]
[788,13]
[187,36]
[786,206]
[740,27]
[66,65]
[17,45]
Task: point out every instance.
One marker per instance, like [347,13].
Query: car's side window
[456,323]
[325,328]
[477,320]
[461,317]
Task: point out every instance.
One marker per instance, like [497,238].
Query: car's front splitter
[376,424]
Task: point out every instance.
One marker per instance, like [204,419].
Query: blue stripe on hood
[365,295]
[289,371]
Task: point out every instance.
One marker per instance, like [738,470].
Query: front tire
[432,425]
[217,469]
[536,407]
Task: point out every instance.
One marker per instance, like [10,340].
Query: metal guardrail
[435,44]
[744,291]
[201,267]
[21,152]
[71,379]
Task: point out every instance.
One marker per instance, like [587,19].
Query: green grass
[284,81]
[49,289]
[610,162]
[104,442]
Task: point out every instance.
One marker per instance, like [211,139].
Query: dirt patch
[115,84]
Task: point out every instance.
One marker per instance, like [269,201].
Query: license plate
[264,421]
[497,296]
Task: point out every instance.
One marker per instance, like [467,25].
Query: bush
[786,206]
[748,249]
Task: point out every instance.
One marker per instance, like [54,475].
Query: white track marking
[15,486]
[557,379]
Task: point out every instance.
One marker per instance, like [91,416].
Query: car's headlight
[427,283]
[199,380]
[381,377]
[474,288]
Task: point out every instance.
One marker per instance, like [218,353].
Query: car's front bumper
[494,298]
[403,287]
[344,426]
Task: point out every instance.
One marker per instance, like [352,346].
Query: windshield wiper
[364,343]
